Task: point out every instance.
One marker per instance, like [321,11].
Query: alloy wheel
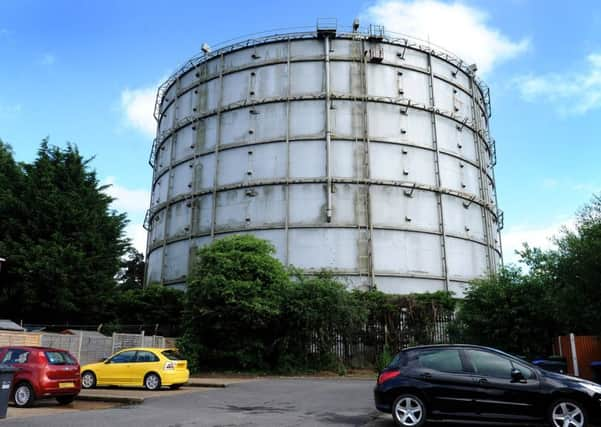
[567,414]
[87,380]
[410,412]
[152,382]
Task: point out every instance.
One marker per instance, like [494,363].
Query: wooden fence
[580,352]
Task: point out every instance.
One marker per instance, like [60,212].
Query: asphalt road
[257,403]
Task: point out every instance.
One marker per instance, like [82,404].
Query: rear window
[59,358]
[399,360]
[15,356]
[172,355]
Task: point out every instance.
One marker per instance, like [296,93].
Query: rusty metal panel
[588,349]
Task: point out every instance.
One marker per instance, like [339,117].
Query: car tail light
[169,366]
[385,376]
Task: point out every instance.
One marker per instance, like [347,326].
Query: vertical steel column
[175,106]
[328,131]
[494,183]
[217,146]
[287,219]
[367,170]
[482,176]
[441,225]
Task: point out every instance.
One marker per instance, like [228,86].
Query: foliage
[557,294]
[131,273]
[573,271]
[234,304]
[156,308]
[420,311]
[384,358]
[62,241]
[244,310]
[509,311]
[317,310]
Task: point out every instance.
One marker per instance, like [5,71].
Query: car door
[146,361]
[498,396]
[118,369]
[445,381]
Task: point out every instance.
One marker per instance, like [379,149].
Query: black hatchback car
[479,384]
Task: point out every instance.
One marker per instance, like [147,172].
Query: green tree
[64,242]
[131,274]
[234,304]
[510,311]
[156,309]
[572,271]
[12,211]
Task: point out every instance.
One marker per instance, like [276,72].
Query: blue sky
[86,72]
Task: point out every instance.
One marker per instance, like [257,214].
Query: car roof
[159,349]
[468,346]
[465,346]
[32,347]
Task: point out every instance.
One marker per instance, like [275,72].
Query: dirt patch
[51,407]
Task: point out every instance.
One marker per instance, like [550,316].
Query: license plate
[66,385]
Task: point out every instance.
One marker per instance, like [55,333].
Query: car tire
[65,400]
[175,386]
[152,382]
[561,408]
[23,395]
[408,410]
[88,379]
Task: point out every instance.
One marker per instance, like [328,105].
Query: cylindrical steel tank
[365,154]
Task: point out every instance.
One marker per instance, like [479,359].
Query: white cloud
[130,200]
[540,236]
[456,27]
[138,106]
[47,59]
[569,92]
[137,235]
[134,203]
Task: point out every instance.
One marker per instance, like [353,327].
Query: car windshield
[59,358]
[172,355]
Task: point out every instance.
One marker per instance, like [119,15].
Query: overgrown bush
[234,303]
[317,311]
[510,311]
[245,310]
[156,308]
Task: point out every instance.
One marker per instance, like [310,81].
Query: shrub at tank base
[234,303]
[246,311]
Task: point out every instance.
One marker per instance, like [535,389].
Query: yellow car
[151,368]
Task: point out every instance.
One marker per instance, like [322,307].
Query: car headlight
[592,387]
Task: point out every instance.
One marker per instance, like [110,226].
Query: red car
[42,373]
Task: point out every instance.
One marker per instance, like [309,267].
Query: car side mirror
[516,375]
